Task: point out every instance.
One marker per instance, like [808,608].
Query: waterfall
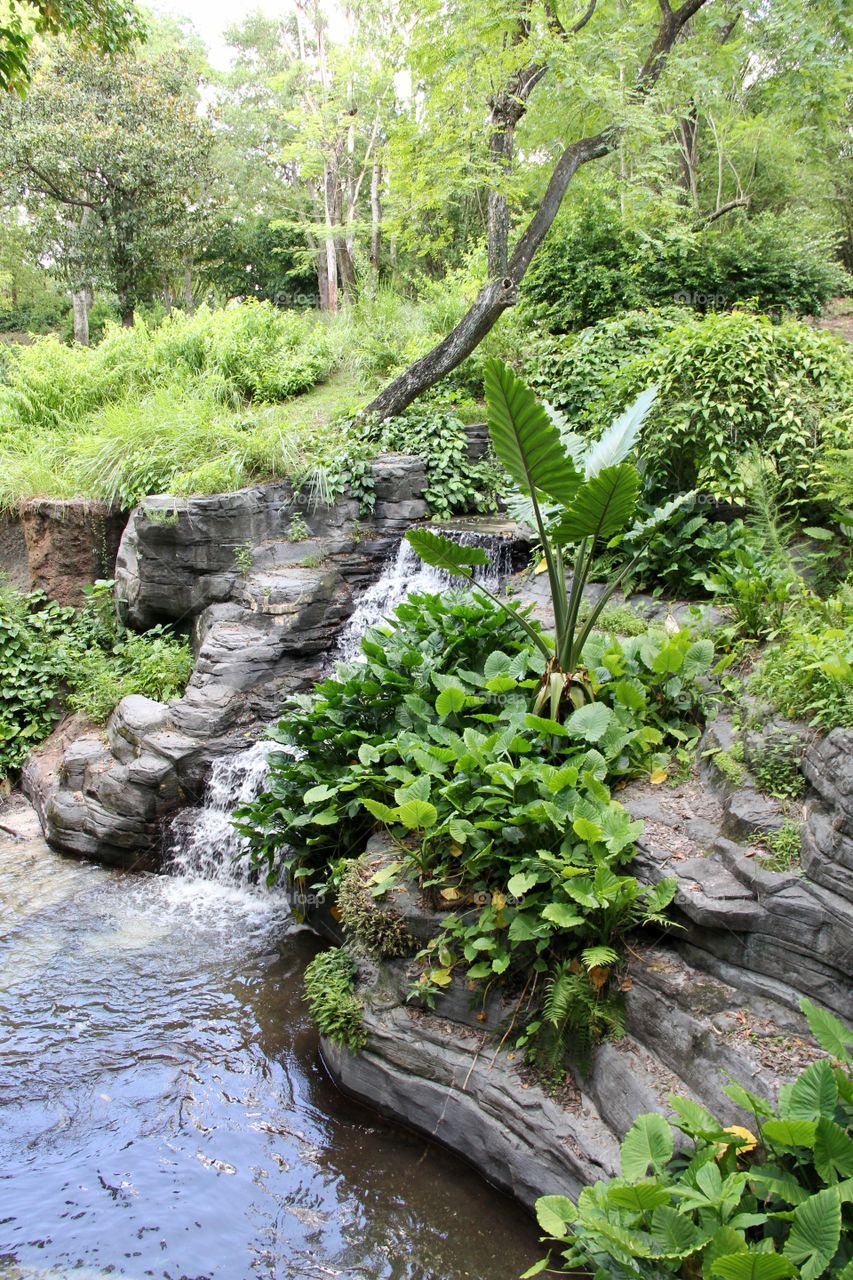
[201,844]
[406,574]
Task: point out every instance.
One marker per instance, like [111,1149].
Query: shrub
[576,373]
[807,673]
[730,1204]
[53,657]
[732,384]
[432,736]
[330,992]
[596,263]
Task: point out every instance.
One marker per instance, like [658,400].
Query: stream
[163,1110]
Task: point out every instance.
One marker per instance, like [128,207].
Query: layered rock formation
[264,605]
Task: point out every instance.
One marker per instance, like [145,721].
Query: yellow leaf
[441,977]
[498,900]
[541,566]
[657,776]
[451,895]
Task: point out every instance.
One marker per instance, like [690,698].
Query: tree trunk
[346,269]
[499,294]
[375,217]
[189,300]
[80,312]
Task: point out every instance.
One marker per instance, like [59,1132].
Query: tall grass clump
[246,351]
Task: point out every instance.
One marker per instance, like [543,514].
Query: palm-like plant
[577,498]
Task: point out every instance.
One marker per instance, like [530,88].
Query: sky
[211,17]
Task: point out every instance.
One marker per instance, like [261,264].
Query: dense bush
[728,384]
[597,263]
[53,657]
[576,373]
[807,673]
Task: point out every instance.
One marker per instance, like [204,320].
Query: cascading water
[406,574]
[202,844]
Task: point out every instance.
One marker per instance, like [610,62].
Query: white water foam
[207,847]
[405,574]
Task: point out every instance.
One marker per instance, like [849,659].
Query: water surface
[163,1111]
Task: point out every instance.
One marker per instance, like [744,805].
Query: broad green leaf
[562,915]
[381,811]
[830,1032]
[601,507]
[772,1181]
[640,1196]
[815,1233]
[833,1151]
[546,727]
[554,1213]
[789,1133]
[674,1234]
[450,700]
[725,1240]
[814,1094]
[314,795]
[748,1101]
[647,1142]
[752,1266]
[418,814]
[443,553]
[694,1120]
[590,722]
[521,883]
[524,438]
[698,659]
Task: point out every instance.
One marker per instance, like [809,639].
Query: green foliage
[433,430]
[596,263]
[775,765]
[733,384]
[807,672]
[250,351]
[31,670]
[505,814]
[52,658]
[576,374]
[785,847]
[572,498]
[374,925]
[107,26]
[330,992]
[731,1206]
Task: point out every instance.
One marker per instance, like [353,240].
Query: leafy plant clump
[731,1204]
[807,673]
[376,927]
[330,992]
[53,657]
[505,817]
[785,846]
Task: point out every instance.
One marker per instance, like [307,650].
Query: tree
[495,84]
[112,163]
[315,112]
[104,25]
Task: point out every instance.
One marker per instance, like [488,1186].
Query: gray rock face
[450,1073]
[828,829]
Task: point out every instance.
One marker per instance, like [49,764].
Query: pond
[163,1111]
